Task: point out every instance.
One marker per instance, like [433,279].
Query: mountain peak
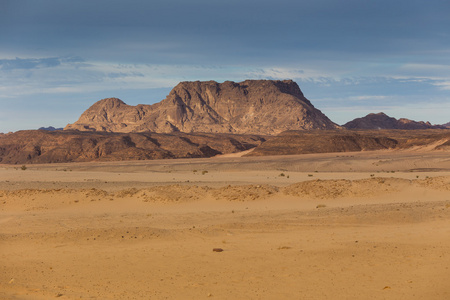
[110,103]
[250,106]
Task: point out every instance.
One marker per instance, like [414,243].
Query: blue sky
[350,58]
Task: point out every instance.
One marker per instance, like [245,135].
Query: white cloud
[443,85]
[368,97]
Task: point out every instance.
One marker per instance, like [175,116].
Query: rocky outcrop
[383,121]
[248,107]
[306,142]
[330,141]
[41,146]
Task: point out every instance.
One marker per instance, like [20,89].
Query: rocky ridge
[334,141]
[42,146]
[249,107]
[383,121]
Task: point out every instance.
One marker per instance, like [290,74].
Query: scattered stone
[284,248]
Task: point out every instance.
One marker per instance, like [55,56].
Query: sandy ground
[372,225]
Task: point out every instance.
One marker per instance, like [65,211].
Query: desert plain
[354,225]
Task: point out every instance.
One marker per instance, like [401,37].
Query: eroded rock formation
[248,107]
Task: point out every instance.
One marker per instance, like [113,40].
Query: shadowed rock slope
[315,141]
[249,107]
[383,121]
[40,146]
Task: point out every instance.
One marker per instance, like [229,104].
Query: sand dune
[371,225]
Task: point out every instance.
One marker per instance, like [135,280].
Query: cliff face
[248,107]
[383,121]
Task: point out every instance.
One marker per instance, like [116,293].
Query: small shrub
[23,167]
[282,175]
[204,172]
[310,175]
[321,206]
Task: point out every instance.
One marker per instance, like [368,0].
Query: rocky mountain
[446,125]
[383,121]
[41,146]
[248,107]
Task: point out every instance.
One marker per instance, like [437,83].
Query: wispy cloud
[36,63]
[341,96]
[443,85]
[368,97]
[21,76]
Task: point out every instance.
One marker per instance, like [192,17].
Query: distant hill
[447,125]
[50,128]
[248,107]
[383,121]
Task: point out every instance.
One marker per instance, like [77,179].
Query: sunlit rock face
[248,107]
